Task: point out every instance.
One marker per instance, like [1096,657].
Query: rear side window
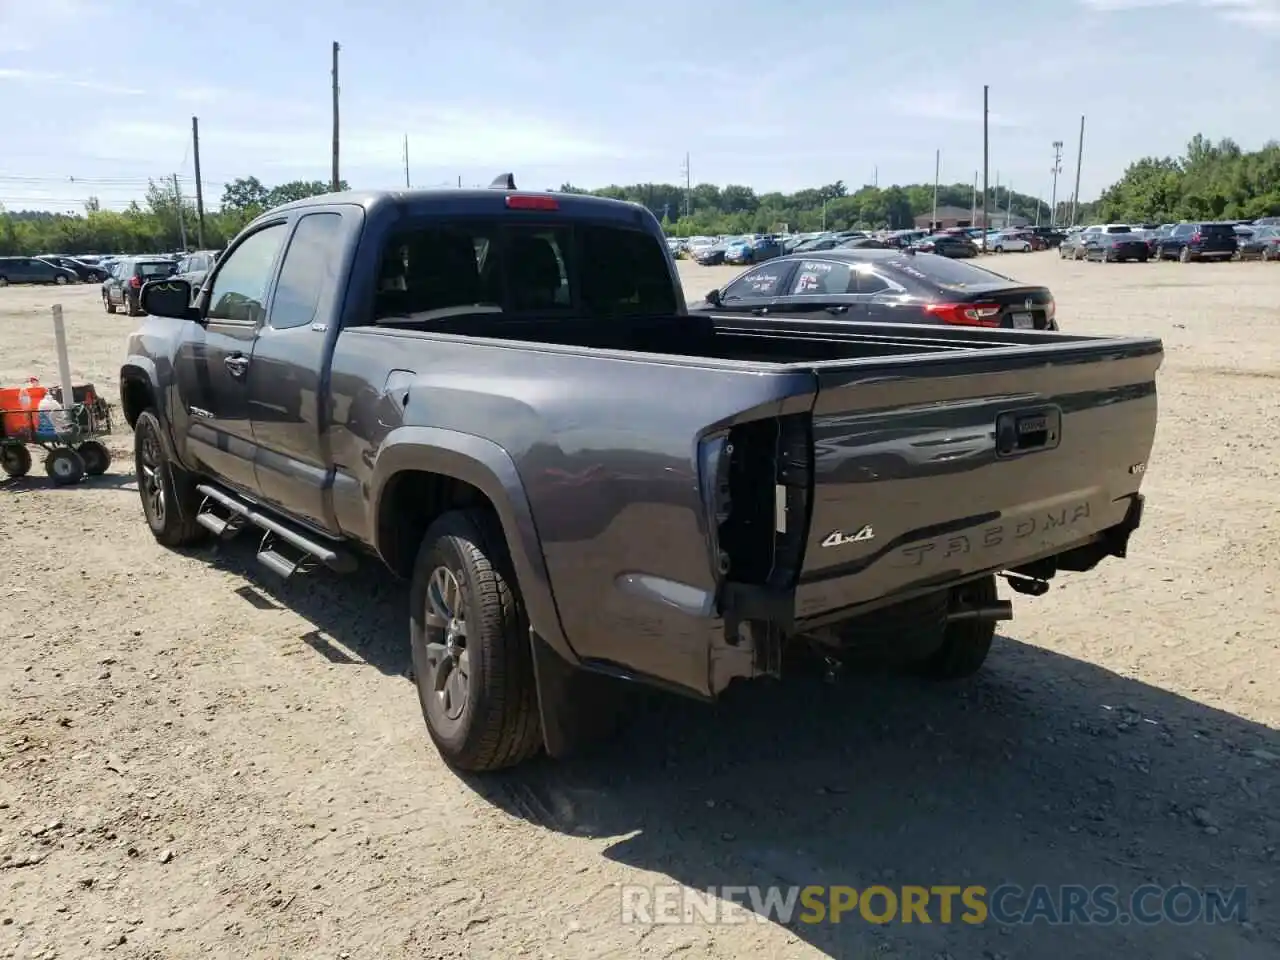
[821,277]
[494,266]
[1217,230]
[1119,228]
[945,271]
[309,270]
[155,268]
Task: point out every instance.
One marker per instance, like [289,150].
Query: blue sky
[776,95]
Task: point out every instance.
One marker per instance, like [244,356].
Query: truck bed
[735,338]
[860,464]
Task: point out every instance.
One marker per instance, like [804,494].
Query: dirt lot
[196,761]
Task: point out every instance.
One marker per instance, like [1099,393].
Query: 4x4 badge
[837,538]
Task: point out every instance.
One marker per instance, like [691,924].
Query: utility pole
[985,159]
[973,212]
[1053,195]
[995,194]
[195,153]
[937,169]
[459,181]
[824,214]
[687,170]
[1008,206]
[336,178]
[1075,197]
[177,202]
[406,161]
[875,176]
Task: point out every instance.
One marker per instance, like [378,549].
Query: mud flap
[578,708]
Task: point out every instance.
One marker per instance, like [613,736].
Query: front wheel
[472,662]
[965,643]
[107,305]
[60,280]
[170,500]
[64,467]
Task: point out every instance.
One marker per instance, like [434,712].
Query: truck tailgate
[937,468]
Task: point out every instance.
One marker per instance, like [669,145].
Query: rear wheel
[1184,255]
[107,305]
[15,459]
[60,280]
[130,307]
[471,656]
[96,457]
[965,643]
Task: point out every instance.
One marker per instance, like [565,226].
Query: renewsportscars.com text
[1007,904]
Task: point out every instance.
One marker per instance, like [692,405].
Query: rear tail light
[966,314]
[135,282]
[517,202]
[1195,237]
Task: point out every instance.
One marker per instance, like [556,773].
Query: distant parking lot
[197,761]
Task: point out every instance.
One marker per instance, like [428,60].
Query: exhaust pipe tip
[999,610]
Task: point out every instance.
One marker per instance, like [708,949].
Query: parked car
[194,267]
[1009,243]
[85,272]
[1072,246]
[1261,243]
[709,256]
[120,290]
[33,270]
[1198,241]
[572,511]
[828,242]
[752,250]
[1116,248]
[947,245]
[885,286]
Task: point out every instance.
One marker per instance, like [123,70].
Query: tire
[1184,255]
[169,497]
[4,281]
[15,460]
[1266,254]
[965,643]
[488,719]
[999,249]
[107,305]
[60,280]
[130,310]
[96,457]
[64,466]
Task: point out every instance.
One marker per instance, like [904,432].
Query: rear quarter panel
[605,448]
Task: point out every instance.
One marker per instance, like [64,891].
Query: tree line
[157,224]
[1210,181]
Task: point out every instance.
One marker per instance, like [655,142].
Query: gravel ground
[197,761]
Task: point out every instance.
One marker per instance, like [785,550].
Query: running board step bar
[279,538]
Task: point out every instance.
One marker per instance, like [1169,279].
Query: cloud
[1264,14]
[44,77]
[946,106]
[440,137]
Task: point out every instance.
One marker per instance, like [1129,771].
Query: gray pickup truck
[502,397]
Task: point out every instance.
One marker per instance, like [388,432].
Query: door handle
[839,308]
[237,364]
[760,311]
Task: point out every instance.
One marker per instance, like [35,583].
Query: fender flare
[489,468]
[138,368]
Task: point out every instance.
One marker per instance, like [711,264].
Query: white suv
[1005,243]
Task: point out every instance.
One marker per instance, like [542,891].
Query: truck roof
[481,200]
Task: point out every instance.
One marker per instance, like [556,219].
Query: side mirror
[713,298]
[169,297]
